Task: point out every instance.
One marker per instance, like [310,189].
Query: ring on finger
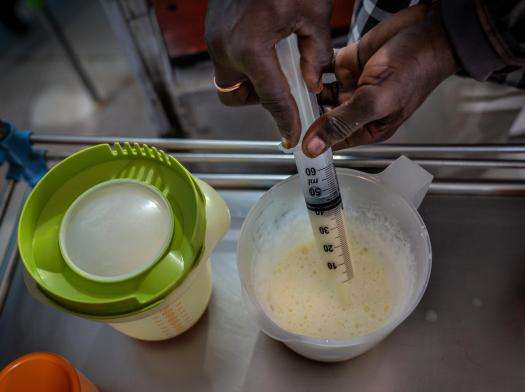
[229,89]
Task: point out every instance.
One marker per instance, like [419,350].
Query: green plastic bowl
[42,215]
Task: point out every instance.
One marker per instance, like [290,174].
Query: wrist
[447,59]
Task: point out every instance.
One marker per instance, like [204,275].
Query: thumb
[368,104]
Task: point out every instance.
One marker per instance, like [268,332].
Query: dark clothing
[488,35]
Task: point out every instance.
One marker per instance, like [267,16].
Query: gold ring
[226,89]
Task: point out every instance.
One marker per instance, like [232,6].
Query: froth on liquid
[299,295]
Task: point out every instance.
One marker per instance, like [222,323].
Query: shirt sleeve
[487,35]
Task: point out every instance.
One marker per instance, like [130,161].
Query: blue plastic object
[15,149]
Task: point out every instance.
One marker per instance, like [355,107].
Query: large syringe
[318,176]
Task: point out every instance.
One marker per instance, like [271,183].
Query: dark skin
[381,80]
[241,37]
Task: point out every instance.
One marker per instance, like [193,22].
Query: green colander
[43,213]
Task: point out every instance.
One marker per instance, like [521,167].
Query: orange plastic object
[43,372]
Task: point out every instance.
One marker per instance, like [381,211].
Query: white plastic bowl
[270,219]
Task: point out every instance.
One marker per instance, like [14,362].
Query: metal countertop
[477,343]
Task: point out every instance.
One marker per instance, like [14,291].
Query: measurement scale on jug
[318,176]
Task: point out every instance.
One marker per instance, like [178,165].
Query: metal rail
[71,54]
[247,153]
[340,160]
[11,247]
[7,277]
[272,146]
[472,188]
[7,199]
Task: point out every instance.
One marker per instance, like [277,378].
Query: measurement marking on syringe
[319,180]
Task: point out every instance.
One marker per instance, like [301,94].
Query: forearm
[487,35]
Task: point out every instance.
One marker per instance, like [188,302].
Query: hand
[241,37]
[382,80]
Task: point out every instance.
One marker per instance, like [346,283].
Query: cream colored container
[183,307]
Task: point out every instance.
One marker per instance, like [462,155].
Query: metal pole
[340,161]
[265,181]
[247,145]
[71,54]
[7,278]
[7,199]
[478,188]
[168,144]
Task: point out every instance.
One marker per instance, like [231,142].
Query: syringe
[318,177]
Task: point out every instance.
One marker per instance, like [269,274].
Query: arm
[241,37]
[387,75]
[488,35]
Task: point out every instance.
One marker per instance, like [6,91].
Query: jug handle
[217,217]
[407,178]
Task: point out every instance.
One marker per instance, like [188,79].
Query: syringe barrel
[318,175]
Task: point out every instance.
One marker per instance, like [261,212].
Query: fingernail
[316,146]
[286,144]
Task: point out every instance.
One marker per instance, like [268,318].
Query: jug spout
[407,178]
[217,217]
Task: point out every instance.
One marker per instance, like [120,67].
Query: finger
[347,66]
[226,77]
[369,103]
[329,95]
[274,94]
[330,68]
[244,95]
[316,55]
[350,60]
[374,132]
[333,94]
[388,28]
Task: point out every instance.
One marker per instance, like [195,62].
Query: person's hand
[382,80]
[241,37]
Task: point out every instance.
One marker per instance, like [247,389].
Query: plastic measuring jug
[391,196]
[43,372]
[84,227]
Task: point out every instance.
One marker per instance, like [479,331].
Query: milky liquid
[298,293]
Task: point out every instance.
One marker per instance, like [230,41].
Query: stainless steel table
[477,342]
[467,334]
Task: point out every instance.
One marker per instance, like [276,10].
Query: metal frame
[135,25]
[258,146]
[71,54]
[248,153]
[4,203]
[11,250]
[267,153]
